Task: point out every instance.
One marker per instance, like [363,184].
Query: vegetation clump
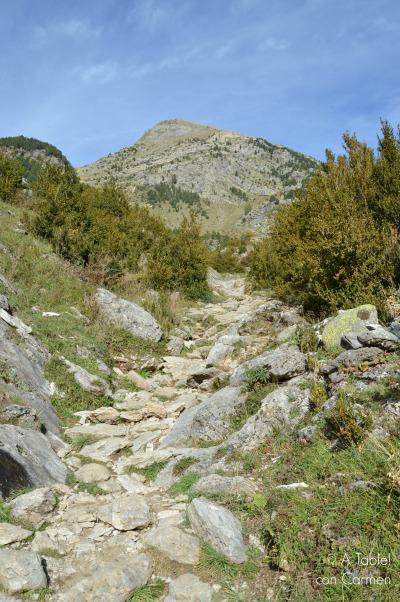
[336,245]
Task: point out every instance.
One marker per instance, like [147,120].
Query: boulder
[33,506]
[105,448]
[207,421]
[21,570]
[129,316]
[349,320]
[188,588]
[88,382]
[219,527]
[282,408]
[379,337]
[175,544]
[27,460]
[351,358]
[222,349]
[92,473]
[128,511]
[282,363]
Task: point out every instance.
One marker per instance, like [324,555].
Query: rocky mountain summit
[228,178]
[173,488]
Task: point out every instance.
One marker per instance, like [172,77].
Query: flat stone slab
[174,543]
[11,533]
[188,588]
[127,512]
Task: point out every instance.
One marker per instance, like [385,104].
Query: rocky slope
[231,180]
[32,153]
[239,460]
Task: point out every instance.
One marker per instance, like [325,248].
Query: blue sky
[92,75]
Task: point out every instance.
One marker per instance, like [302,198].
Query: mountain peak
[228,178]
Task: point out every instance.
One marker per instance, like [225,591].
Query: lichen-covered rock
[350,359]
[128,315]
[349,320]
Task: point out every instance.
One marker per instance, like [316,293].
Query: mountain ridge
[231,180]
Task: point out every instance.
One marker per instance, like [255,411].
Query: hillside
[32,153]
[229,179]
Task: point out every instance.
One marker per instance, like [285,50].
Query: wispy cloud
[273,44]
[103,73]
[149,14]
[74,28]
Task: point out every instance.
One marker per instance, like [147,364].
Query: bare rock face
[128,315]
[27,460]
[219,527]
[24,362]
[89,382]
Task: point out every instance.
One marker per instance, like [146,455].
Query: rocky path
[133,519]
[115,526]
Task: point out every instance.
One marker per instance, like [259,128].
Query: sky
[91,76]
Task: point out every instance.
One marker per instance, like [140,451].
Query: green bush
[98,229]
[336,246]
[11,172]
[346,425]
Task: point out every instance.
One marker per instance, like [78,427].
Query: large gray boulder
[281,409]
[282,363]
[20,571]
[25,360]
[219,527]
[128,315]
[27,460]
[208,421]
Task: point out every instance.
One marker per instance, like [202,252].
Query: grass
[80,441]
[36,594]
[152,592]
[91,488]
[149,472]
[5,513]
[250,405]
[182,464]
[216,566]
[183,486]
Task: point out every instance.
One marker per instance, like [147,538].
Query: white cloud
[67,29]
[103,73]
[273,44]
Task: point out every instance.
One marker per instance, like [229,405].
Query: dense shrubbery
[11,172]
[228,254]
[337,245]
[98,229]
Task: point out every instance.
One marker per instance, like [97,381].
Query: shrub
[329,249]
[306,338]
[11,172]
[345,424]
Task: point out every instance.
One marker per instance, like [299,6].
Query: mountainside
[32,152]
[228,179]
